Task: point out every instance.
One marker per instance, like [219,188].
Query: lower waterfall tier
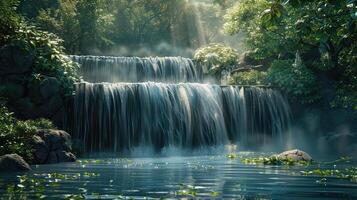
[121,116]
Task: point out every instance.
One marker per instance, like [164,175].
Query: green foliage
[96,26]
[31,8]
[324,32]
[46,47]
[50,59]
[252,77]
[242,16]
[9,19]
[15,135]
[294,79]
[216,57]
[62,21]
[273,160]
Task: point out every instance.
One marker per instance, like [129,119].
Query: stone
[295,155]
[52,146]
[41,149]
[54,137]
[13,163]
[14,60]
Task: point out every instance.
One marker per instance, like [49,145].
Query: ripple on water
[180,177]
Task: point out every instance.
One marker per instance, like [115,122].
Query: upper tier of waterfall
[111,69]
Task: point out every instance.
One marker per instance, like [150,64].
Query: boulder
[55,139]
[294,155]
[41,149]
[13,163]
[52,146]
[14,60]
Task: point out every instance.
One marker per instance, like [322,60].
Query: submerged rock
[13,163]
[294,155]
[52,146]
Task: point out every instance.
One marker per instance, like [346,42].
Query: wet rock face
[13,60]
[294,155]
[13,163]
[52,146]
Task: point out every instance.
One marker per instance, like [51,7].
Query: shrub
[252,77]
[216,57]
[15,135]
[295,79]
[9,19]
[50,58]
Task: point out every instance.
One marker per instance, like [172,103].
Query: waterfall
[120,109]
[111,69]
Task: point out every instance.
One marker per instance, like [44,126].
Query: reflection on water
[186,177]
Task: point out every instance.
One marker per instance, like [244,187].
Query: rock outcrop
[52,146]
[14,60]
[28,97]
[13,163]
[294,155]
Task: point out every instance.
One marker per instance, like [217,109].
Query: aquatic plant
[273,160]
[347,174]
[35,186]
[187,190]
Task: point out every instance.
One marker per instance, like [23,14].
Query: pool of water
[184,177]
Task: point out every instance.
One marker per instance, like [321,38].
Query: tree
[87,19]
[324,32]
[9,19]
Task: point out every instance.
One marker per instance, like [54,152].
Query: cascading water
[121,116]
[97,69]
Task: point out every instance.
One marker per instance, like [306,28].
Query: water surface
[185,177]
